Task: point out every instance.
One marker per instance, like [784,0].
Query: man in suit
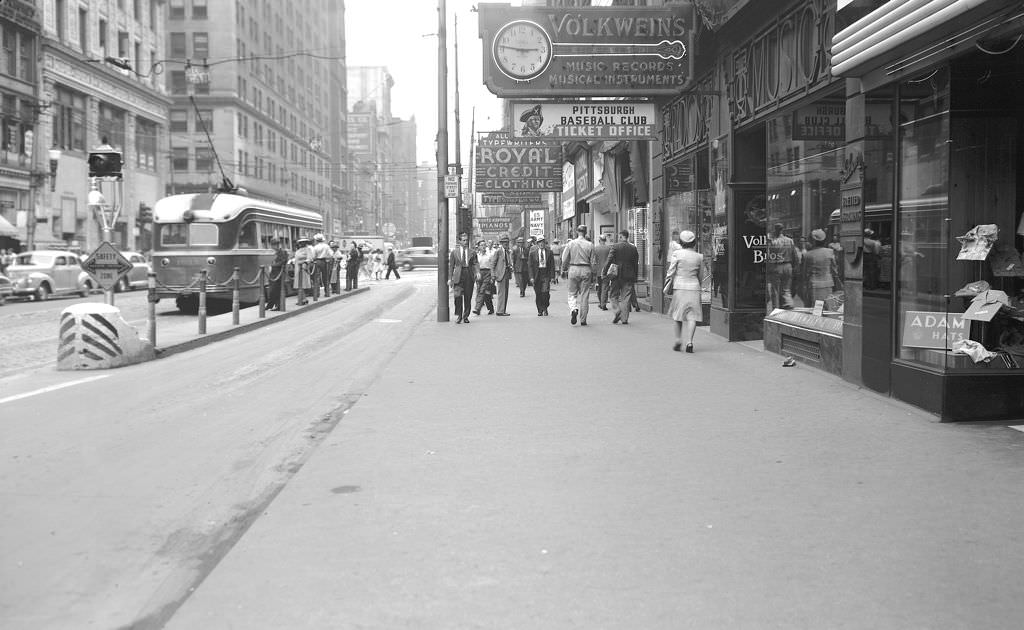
[392,267]
[520,262]
[463,272]
[601,251]
[355,258]
[502,272]
[624,255]
[542,271]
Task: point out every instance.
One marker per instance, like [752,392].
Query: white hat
[687,236]
[318,237]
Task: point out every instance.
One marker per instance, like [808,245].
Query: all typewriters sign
[504,163]
[537,51]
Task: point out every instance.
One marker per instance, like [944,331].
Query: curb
[202,340]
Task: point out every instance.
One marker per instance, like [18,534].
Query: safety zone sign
[106,265]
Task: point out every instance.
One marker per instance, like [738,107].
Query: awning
[6,229]
[906,35]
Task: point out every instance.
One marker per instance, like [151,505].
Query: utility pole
[460,221]
[442,164]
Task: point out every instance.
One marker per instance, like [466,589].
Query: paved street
[512,473]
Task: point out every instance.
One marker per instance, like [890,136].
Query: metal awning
[6,229]
[906,35]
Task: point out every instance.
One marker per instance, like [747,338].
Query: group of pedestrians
[487,270]
[317,266]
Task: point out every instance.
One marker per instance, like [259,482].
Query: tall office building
[261,81]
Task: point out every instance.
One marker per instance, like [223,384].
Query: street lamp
[54,155]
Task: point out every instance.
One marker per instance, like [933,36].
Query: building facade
[252,105]
[19,119]
[99,73]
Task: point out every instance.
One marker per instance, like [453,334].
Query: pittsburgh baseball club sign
[587,51]
[605,120]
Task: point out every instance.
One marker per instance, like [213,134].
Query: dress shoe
[540,314]
[575,315]
[502,314]
[546,312]
[583,323]
[617,318]
[677,346]
[476,312]
[490,312]
[459,320]
[689,348]
[603,308]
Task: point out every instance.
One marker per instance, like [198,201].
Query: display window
[688,205]
[960,280]
[800,245]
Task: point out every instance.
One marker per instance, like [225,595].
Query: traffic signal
[145,215]
[105,161]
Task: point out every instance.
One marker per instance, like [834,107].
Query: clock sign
[522,50]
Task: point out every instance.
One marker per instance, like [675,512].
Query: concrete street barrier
[93,336]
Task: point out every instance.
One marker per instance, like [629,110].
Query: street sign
[106,265]
[451,186]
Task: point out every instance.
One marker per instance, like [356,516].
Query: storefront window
[719,224]
[920,255]
[688,204]
[802,251]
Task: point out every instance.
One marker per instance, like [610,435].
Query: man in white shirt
[485,284]
[578,260]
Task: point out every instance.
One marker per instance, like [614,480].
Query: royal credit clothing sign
[504,163]
[537,51]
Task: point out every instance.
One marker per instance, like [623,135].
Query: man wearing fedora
[542,271]
[533,120]
[502,271]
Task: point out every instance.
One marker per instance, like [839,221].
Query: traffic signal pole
[442,164]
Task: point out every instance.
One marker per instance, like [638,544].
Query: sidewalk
[524,473]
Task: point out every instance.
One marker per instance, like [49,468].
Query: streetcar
[218,232]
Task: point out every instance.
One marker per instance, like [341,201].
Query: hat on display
[533,111]
[818,235]
[687,236]
[869,232]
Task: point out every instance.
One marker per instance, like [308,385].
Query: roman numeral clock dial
[522,50]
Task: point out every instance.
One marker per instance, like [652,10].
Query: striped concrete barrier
[93,336]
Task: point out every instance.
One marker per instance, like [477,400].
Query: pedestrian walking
[322,256]
[578,260]
[352,265]
[337,260]
[520,264]
[627,261]
[485,283]
[277,274]
[542,274]
[463,271]
[378,264]
[502,272]
[391,265]
[684,274]
[303,262]
[556,251]
[601,251]
[783,259]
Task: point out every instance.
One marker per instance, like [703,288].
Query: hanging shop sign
[569,191]
[536,223]
[510,197]
[494,225]
[582,120]
[536,51]
[504,163]
[787,60]
[678,177]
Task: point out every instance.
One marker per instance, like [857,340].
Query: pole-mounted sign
[540,52]
[106,265]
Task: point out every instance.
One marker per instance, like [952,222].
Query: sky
[401,35]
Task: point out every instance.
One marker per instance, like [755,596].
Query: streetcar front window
[202,234]
[188,234]
[247,236]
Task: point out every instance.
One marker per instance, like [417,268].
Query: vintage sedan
[41,273]
[138,276]
[413,257]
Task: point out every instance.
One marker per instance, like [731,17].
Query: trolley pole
[442,164]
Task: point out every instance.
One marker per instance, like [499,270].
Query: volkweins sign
[586,51]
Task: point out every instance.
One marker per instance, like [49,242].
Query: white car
[138,276]
[41,273]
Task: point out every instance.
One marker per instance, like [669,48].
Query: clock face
[522,50]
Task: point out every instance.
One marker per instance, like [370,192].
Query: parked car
[6,288]
[414,257]
[41,273]
[138,276]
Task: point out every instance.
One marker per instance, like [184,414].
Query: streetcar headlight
[211,261]
[164,262]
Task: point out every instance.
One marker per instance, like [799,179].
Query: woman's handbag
[669,287]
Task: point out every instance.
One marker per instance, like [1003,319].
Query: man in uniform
[578,260]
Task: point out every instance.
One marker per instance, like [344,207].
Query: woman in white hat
[684,274]
[820,267]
